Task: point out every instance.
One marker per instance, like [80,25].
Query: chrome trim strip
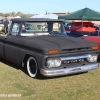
[74,57]
[66,71]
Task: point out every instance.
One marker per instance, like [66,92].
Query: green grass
[75,87]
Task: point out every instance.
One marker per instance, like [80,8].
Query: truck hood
[95,39]
[44,43]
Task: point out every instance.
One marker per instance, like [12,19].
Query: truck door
[12,44]
[2,39]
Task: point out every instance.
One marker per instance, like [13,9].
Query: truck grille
[76,50]
[74,60]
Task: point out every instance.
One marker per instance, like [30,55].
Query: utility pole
[46,12]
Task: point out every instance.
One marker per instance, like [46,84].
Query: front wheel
[32,67]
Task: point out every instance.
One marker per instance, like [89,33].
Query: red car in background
[80,27]
[95,39]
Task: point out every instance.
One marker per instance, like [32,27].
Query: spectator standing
[6,22]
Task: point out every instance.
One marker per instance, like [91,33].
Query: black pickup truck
[42,46]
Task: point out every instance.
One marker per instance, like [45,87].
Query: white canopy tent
[50,16]
[38,16]
[17,17]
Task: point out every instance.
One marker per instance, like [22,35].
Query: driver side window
[15,29]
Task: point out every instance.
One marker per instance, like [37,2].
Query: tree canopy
[13,14]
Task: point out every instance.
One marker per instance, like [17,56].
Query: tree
[13,13]
[1,14]
[19,13]
[6,14]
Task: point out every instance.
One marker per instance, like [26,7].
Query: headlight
[54,62]
[92,58]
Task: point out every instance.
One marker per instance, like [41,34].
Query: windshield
[41,28]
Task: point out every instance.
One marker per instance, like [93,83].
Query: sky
[40,6]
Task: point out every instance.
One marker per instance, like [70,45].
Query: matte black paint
[14,48]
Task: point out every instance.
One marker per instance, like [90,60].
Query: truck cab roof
[35,20]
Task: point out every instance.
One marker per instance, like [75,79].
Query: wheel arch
[98,60]
[26,58]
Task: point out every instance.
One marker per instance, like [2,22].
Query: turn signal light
[52,51]
[95,47]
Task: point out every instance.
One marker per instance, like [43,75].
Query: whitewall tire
[32,67]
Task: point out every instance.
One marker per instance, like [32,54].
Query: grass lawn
[17,85]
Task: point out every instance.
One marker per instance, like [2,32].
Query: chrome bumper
[66,71]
